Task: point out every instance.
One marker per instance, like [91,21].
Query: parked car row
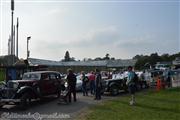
[37,85]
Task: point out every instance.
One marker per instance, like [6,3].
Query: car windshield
[31,76]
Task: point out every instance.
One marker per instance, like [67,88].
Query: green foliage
[2,75]
[106,57]
[67,56]
[146,61]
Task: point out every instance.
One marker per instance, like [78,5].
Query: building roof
[36,62]
[121,63]
[102,63]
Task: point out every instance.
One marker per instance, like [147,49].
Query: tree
[67,56]
[72,59]
[144,62]
[112,58]
[106,57]
[137,57]
[165,57]
[98,58]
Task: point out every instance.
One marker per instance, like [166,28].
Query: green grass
[151,105]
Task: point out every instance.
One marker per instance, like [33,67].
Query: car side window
[53,76]
[45,76]
[58,76]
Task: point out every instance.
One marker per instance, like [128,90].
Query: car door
[53,82]
[45,84]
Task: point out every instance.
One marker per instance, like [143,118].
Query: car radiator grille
[7,93]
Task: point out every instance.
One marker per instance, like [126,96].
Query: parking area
[49,109]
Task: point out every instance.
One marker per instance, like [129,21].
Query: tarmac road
[50,109]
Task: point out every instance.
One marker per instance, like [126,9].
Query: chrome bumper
[9,100]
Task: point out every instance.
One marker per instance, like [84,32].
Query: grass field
[151,105]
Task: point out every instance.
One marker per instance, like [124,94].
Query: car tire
[25,101]
[114,90]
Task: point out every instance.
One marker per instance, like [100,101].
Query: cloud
[146,44]
[56,11]
[99,37]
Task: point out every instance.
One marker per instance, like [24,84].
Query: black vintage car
[114,86]
[33,86]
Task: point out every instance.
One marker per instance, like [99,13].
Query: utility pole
[17,37]
[14,40]
[12,36]
[12,12]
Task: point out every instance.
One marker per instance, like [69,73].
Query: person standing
[98,85]
[168,79]
[131,84]
[92,78]
[71,80]
[84,84]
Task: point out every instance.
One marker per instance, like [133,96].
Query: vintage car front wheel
[25,101]
[114,90]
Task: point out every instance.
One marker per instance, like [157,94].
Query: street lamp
[28,52]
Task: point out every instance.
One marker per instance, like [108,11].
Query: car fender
[113,83]
[25,89]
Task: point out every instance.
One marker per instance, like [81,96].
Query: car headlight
[15,85]
[66,84]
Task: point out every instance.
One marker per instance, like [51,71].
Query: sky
[92,28]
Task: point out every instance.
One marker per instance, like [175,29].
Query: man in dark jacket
[71,80]
[84,84]
[98,85]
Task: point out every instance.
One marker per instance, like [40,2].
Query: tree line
[144,61]
[68,58]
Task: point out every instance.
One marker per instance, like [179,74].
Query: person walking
[84,84]
[92,78]
[71,80]
[131,84]
[169,79]
[98,85]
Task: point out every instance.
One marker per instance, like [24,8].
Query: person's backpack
[86,79]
